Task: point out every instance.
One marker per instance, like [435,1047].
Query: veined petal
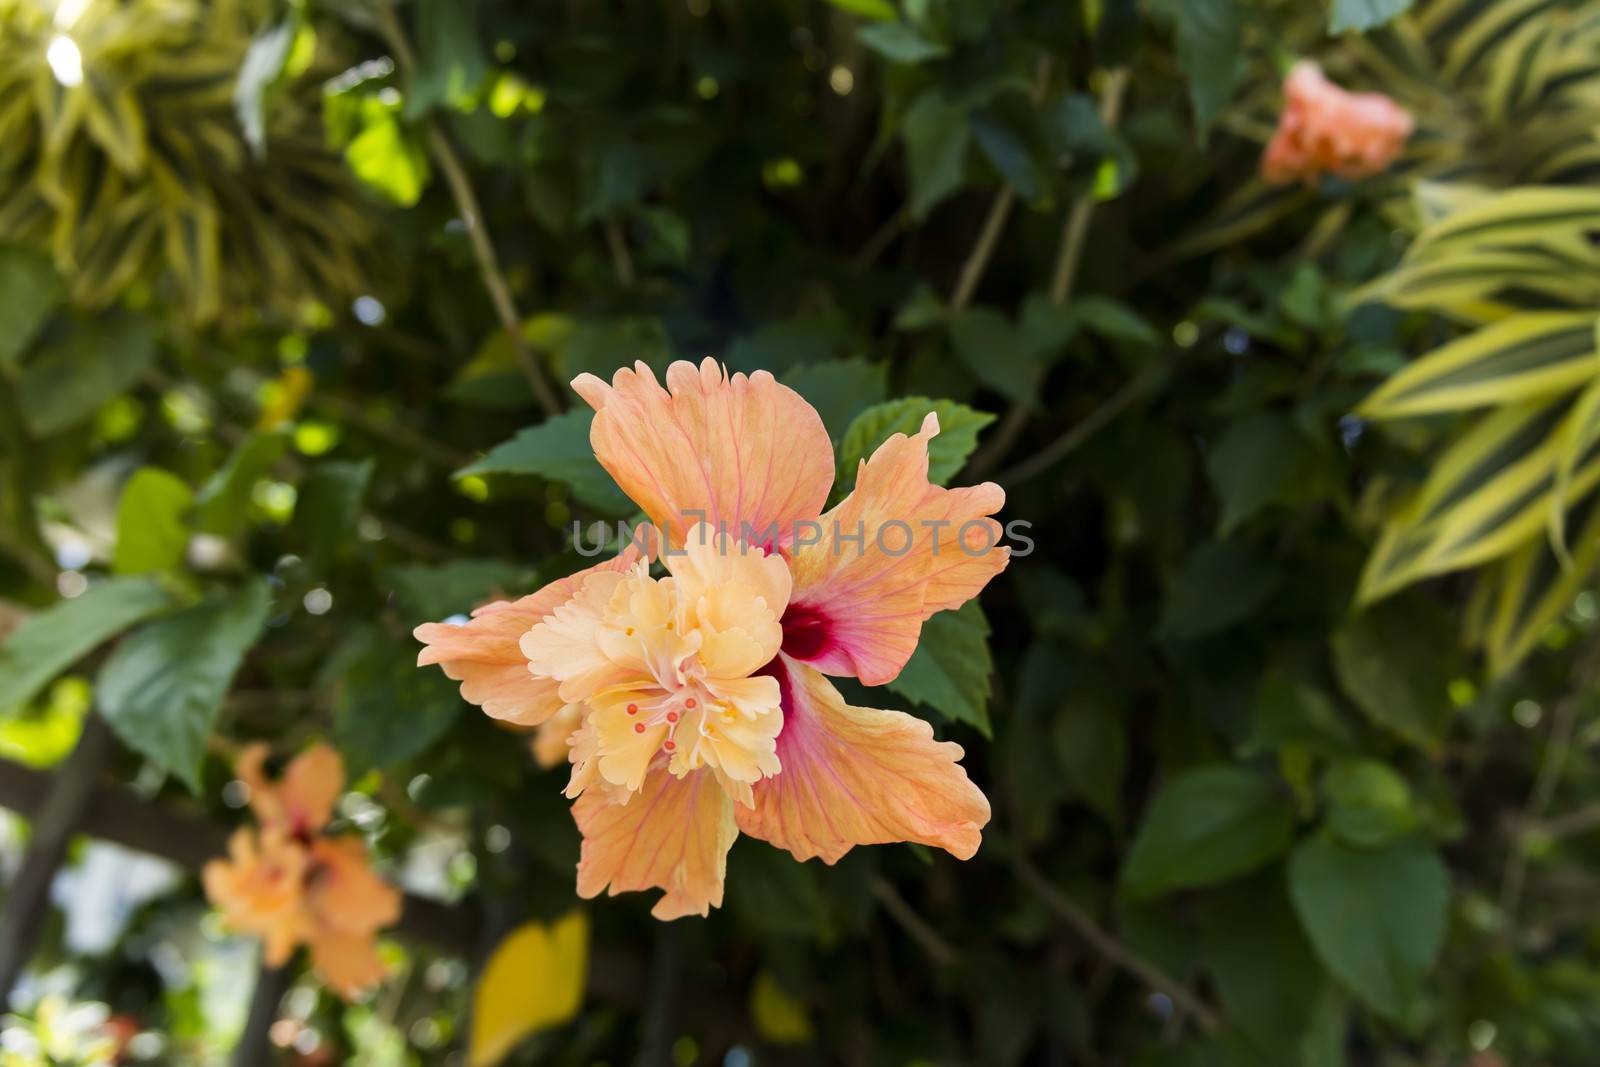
[897,550]
[674,834]
[859,776]
[485,657]
[731,450]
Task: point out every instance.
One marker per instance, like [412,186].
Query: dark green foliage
[1304,814]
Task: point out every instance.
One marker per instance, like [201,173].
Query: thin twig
[1073,237]
[621,259]
[1115,951]
[396,433]
[1084,429]
[1563,724]
[994,223]
[936,947]
[880,240]
[444,155]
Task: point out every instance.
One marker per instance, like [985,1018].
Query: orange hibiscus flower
[697,703]
[1326,130]
[289,884]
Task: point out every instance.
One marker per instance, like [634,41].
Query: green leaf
[1364,15]
[425,592]
[451,63]
[881,10]
[1209,39]
[1270,981]
[558,450]
[1376,917]
[385,710]
[30,291]
[784,346]
[53,639]
[950,669]
[947,453]
[386,158]
[1047,327]
[162,686]
[993,349]
[936,133]
[840,389]
[222,506]
[1254,463]
[1207,826]
[1368,803]
[67,382]
[329,503]
[1388,660]
[1222,583]
[1091,740]
[1289,711]
[151,529]
[1114,320]
[900,42]
[1007,130]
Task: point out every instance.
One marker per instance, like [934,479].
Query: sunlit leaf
[779,1017]
[152,527]
[161,688]
[54,638]
[534,980]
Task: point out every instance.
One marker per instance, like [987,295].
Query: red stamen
[670,745]
[633,709]
[638,727]
[672,716]
[689,703]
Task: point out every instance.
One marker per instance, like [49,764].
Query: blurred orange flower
[289,884]
[696,706]
[1326,130]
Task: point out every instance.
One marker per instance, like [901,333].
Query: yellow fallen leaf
[533,981]
[779,1018]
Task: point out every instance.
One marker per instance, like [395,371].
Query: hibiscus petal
[347,963]
[731,450]
[345,893]
[311,785]
[859,776]
[895,551]
[674,834]
[485,657]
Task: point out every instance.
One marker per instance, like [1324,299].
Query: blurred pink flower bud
[1326,130]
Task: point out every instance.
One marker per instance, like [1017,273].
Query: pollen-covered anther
[638,727]
[690,703]
[672,716]
[670,745]
[633,709]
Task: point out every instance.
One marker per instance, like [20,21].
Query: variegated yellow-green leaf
[1483,484]
[1453,283]
[1499,20]
[1577,438]
[534,981]
[1535,586]
[1548,213]
[1520,358]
